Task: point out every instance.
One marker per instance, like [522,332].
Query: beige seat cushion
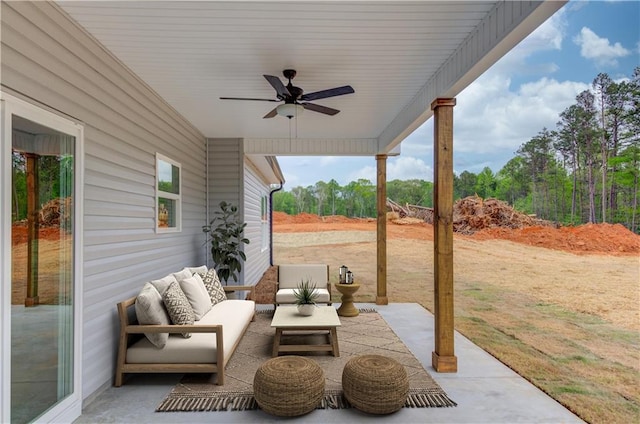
[287,296]
[234,316]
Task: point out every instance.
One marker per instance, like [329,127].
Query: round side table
[347,309]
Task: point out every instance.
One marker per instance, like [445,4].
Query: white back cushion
[290,275]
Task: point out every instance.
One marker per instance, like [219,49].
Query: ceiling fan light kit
[295,101]
[290,110]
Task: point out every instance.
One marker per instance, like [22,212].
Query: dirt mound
[587,238]
[280,218]
[472,214]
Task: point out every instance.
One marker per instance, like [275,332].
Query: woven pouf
[375,384]
[288,386]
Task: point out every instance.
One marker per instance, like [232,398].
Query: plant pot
[306,310]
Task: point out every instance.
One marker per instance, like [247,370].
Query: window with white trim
[168,195]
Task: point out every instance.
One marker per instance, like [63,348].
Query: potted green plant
[225,233]
[306,295]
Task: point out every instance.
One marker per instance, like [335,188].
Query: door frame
[69,408]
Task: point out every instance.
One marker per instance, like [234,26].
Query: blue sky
[529,87]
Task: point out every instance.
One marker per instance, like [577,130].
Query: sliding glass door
[43,302]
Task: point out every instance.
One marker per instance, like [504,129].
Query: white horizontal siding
[224,175]
[47,58]
[257,259]
[224,171]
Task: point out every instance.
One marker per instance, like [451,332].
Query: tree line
[585,170]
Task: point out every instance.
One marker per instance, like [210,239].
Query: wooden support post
[33,227]
[443,358]
[381,205]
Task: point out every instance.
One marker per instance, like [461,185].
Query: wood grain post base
[32,301]
[382,300]
[444,363]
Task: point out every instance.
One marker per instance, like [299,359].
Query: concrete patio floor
[485,390]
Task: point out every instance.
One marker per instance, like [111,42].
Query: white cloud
[366,172]
[494,118]
[420,142]
[599,49]
[398,168]
[547,37]
[328,160]
[408,168]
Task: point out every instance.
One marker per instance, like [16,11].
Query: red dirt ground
[610,239]
[607,239]
[19,233]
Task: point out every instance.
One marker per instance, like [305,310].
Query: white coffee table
[286,318]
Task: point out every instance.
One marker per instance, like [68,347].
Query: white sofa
[212,341]
[290,275]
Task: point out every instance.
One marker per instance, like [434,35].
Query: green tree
[567,143]
[485,183]
[321,192]
[589,145]
[283,201]
[513,180]
[412,192]
[602,88]
[537,155]
[333,189]
[465,184]
[300,195]
[627,177]
[19,187]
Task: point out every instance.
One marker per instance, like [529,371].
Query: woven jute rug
[367,333]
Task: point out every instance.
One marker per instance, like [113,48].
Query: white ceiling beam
[311,147]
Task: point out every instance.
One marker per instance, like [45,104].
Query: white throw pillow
[202,269]
[163,284]
[197,294]
[150,311]
[185,273]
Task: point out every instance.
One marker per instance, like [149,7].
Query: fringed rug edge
[245,401]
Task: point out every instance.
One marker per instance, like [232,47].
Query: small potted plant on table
[306,295]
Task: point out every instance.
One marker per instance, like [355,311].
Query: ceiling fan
[295,101]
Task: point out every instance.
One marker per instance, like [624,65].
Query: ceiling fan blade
[247,98]
[280,88]
[321,109]
[271,114]
[332,92]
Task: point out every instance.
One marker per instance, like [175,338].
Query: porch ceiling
[398,56]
